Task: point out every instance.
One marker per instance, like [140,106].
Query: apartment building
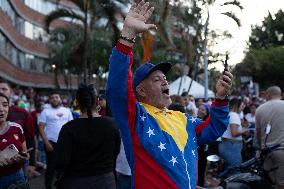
[23,49]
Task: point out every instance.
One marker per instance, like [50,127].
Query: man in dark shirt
[23,118]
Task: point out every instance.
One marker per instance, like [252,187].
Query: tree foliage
[269,33]
[180,30]
[265,59]
[77,47]
[266,66]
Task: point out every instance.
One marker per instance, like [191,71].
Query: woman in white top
[231,146]
[250,117]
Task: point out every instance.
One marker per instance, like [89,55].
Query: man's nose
[165,82]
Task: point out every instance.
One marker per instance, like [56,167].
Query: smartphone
[9,152]
[226,64]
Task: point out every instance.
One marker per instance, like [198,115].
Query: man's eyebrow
[159,76]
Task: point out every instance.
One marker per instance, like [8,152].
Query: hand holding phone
[224,84]
[25,154]
[7,155]
[9,152]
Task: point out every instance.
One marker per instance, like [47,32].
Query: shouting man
[160,144]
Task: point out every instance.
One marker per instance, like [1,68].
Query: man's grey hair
[274,91]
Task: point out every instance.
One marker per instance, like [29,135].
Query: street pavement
[38,182]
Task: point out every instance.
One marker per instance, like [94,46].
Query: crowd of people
[237,144]
[134,134]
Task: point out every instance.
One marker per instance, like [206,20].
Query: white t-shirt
[191,107]
[54,119]
[234,119]
[250,118]
[122,165]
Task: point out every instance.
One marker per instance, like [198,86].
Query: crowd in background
[242,113]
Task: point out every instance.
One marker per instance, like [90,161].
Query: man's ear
[140,90]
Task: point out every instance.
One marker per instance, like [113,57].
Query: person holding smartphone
[160,144]
[11,134]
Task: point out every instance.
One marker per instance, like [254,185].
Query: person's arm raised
[216,124]
[120,93]
[135,22]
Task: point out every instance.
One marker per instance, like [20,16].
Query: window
[20,25]
[41,6]
[14,55]
[22,60]
[29,62]
[2,43]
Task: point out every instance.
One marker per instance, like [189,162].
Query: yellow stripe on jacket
[172,122]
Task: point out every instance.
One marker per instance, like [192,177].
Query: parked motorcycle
[252,175]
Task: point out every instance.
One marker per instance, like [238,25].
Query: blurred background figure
[87,147]
[231,146]
[75,110]
[101,107]
[189,104]
[203,114]
[269,117]
[50,121]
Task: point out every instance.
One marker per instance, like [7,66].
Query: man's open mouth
[1,115]
[166,91]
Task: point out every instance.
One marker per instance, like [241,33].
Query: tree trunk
[85,61]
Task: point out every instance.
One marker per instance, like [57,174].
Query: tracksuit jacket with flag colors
[160,145]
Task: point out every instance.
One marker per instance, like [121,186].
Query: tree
[264,60]
[85,20]
[266,66]
[181,28]
[270,33]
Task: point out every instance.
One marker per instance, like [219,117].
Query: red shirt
[23,118]
[13,135]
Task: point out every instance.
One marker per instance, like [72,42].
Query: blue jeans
[17,177]
[230,151]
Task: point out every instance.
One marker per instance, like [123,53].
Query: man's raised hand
[224,85]
[136,18]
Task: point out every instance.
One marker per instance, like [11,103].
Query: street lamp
[53,66]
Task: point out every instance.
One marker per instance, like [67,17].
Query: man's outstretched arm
[216,124]
[120,93]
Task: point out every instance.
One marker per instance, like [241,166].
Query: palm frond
[235,3]
[60,13]
[233,16]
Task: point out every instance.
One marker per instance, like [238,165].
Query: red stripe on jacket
[203,125]
[147,172]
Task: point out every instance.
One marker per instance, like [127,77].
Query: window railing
[21,59]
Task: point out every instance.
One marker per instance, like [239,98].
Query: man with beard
[50,122]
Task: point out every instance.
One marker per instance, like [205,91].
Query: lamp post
[206,59]
[53,66]
[54,71]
